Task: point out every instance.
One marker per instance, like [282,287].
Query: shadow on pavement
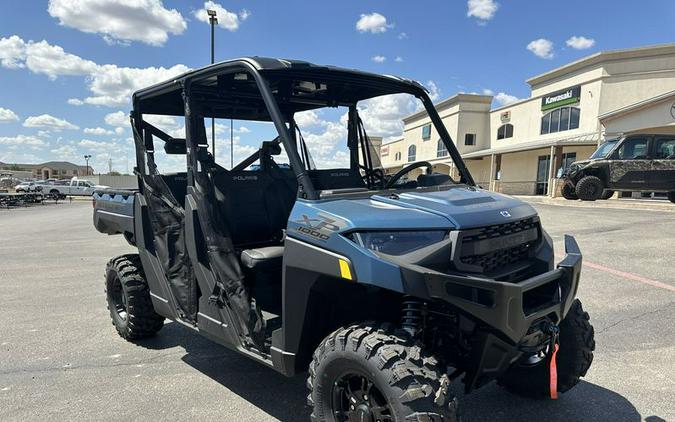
[284,398]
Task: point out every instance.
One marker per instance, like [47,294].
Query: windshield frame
[195,89]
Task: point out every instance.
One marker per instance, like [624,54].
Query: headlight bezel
[397,242]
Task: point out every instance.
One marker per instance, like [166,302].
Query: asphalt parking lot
[60,358]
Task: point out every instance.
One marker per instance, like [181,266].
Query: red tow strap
[553,372]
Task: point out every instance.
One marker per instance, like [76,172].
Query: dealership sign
[561,98]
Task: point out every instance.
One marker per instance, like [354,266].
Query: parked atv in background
[384,292]
[635,163]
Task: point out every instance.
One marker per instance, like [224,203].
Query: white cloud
[51,60]
[503,98]
[66,152]
[12,52]
[147,21]
[118,119]
[7,115]
[378,59]
[226,19]
[97,131]
[487,91]
[482,9]
[382,115]
[541,48]
[434,90]
[374,23]
[22,140]
[308,118]
[398,59]
[110,85]
[402,36]
[242,129]
[95,145]
[49,122]
[580,43]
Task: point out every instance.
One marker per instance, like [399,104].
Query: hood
[465,207]
[459,207]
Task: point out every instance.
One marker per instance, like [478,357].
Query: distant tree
[114,173]
[15,167]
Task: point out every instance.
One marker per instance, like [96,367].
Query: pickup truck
[75,187]
[114,212]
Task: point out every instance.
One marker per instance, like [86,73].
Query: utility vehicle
[385,294]
[636,163]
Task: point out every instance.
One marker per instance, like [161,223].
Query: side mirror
[175,146]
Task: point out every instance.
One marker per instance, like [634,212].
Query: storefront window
[412,151]
[559,120]
[567,159]
[441,150]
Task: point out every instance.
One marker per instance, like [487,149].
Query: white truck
[75,187]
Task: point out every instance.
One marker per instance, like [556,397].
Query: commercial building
[522,147]
[48,170]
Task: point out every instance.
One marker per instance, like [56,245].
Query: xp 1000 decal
[319,226]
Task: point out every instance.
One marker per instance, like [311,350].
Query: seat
[262,267]
[266,258]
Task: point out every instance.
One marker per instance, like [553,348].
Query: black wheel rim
[357,399]
[118,299]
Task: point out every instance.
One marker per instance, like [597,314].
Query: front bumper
[509,308]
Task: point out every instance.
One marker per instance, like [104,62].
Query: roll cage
[264,89]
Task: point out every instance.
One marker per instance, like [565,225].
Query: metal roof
[265,64]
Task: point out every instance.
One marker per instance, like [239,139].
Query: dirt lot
[60,359]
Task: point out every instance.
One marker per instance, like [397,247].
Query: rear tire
[589,188]
[373,371]
[567,191]
[606,194]
[128,298]
[671,197]
[577,343]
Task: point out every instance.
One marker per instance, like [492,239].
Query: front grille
[493,247]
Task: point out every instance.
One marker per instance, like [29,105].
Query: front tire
[577,343]
[567,191]
[128,298]
[589,188]
[366,373]
[606,194]
[671,197]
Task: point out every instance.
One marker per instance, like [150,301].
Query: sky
[68,67]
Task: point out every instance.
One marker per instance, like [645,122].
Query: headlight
[397,242]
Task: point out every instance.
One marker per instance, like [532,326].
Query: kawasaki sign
[561,98]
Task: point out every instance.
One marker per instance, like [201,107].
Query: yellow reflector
[345,272]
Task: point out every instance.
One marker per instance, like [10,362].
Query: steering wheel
[408,169]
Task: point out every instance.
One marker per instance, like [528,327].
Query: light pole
[86,160]
[213,20]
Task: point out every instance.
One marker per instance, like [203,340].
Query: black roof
[226,89]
